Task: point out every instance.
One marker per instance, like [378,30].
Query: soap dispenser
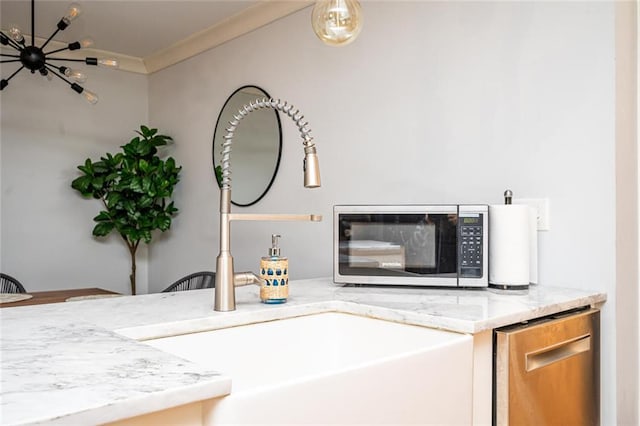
[274,271]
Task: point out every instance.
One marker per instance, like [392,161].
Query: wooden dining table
[56,296]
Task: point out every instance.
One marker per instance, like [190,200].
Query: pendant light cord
[33,22]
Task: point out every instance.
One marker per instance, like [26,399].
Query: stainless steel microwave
[416,245]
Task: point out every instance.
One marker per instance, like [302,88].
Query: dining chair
[8,284]
[193,281]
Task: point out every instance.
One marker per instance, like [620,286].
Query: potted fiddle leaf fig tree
[135,187]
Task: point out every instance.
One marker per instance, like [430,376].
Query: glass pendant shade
[337,22]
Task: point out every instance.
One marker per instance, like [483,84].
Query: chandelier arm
[9,60]
[12,75]
[49,39]
[9,56]
[65,59]
[57,50]
[11,42]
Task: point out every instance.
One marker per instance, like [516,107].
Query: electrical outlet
[541,205]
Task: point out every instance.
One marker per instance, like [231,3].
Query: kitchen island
[81,362]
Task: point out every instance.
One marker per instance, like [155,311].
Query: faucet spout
[226,279]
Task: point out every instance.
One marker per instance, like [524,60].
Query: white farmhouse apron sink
[333,368]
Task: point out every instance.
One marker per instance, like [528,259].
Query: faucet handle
[245,278]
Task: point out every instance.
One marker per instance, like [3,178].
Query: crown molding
[246,21]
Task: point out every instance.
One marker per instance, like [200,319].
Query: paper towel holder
[510,247]
[508,196]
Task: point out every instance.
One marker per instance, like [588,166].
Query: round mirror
[255,153]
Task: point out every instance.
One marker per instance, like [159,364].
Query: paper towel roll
[509,245]
[533,246]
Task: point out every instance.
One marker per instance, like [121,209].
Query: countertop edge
[147,404]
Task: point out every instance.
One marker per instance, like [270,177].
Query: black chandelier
[36,59]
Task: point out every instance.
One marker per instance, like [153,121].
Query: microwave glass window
[398,244]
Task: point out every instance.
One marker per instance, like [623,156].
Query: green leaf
[102,229]
[82,184]
[146,185]
[144,165]
[98,183]
[163,223]
[218,171]
[100,167]
[129,207]
[170,164]
[113,198]
[146,132]
[103,216]
[111,177]
[136,185]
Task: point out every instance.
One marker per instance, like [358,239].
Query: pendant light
[35,58]
[337,22]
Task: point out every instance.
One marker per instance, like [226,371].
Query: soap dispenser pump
[274,271]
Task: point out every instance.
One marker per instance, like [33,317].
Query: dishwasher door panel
[547,371]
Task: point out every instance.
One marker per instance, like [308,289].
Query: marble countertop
[80,362]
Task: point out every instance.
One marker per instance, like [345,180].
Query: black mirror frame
[213,148]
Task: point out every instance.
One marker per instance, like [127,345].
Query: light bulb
[108,63]
[337,22]
[90,97]
[46,74]
[78,76]
[82,44]
[86,42]
[73,12]
[15,33]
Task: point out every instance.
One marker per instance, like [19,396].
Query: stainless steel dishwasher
[547,371]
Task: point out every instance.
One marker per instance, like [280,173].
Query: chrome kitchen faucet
[226,278]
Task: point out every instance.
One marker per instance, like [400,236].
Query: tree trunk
[132,277]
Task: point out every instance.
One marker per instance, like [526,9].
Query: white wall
[434,103]
[48,130]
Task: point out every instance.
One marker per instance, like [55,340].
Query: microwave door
[416,248]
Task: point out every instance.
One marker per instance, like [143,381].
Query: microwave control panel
[470,259]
